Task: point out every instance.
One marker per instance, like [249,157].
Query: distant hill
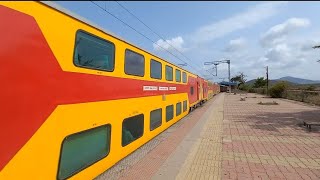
[251,82]
[271,82]
[290,80]
[298,80]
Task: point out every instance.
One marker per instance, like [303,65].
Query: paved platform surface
[231,139]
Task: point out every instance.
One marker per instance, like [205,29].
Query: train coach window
[155,119]
[178,75]
[83,149]
[132,129]
[178,109]
[156,69]
[191,90]
[185,106]
[169,113]
[134,63]
[93,52]
[184,77]
[169,73]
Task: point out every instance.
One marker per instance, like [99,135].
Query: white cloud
[291,58]
[306,45]
[170,44]
[197,39]
[236,45]
[278,33]
[239,21]
[287,56]
[285,52]
[279,53]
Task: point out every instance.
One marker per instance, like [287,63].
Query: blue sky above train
[251,34]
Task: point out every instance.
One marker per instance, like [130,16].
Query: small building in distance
[224,86]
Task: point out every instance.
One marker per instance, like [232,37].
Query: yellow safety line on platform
[205,158]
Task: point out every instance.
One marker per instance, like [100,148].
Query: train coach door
[203,90]
[198,90]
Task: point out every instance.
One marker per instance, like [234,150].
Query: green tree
[260,82]
[240,78]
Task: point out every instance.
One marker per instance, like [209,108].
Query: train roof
[90,23]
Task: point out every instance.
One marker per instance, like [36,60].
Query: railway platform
[231,138]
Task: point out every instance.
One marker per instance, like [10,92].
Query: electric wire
[161,37]
[141,33]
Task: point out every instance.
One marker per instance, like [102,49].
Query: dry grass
[313,98]
[268,103]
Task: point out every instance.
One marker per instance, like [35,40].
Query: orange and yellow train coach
[76,99]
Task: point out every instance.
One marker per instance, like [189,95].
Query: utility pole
[228,61]
[267,80]
[216,66]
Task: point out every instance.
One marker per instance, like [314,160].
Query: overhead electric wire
[161,37]
[139,32]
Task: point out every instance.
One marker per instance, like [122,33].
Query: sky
[252,35]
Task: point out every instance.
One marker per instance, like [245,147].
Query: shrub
[311,88]
[278,90]
[251,90]
[260,90]
[244,87]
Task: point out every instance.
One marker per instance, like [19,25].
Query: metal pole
[228,61]
[267,81]
[216,69]
[216,63]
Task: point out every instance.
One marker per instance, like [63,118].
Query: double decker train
[76,99]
